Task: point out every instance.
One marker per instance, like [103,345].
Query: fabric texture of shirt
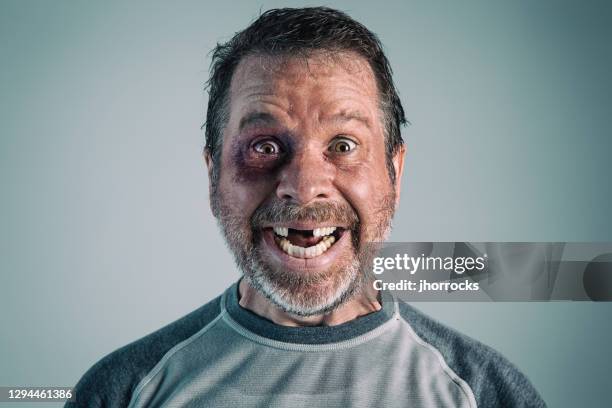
[223,355]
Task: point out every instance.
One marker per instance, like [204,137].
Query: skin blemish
[252,166]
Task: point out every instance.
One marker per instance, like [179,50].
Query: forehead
[314,83]
[293,68]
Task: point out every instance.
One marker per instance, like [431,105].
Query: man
[305,159]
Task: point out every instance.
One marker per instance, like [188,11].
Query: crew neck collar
[309,334]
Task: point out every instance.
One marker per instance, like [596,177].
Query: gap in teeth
[317,232]
[310,252]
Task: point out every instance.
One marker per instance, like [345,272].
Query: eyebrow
[257,118]
[347,116]
[267,119]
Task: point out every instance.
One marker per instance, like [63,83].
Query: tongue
[305,241]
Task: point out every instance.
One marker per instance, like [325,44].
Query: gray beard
[296,298]
[298,295]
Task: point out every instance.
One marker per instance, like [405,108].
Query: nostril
[304,188]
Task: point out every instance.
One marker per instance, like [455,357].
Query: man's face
[303,179]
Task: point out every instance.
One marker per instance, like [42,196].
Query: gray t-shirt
[222,355]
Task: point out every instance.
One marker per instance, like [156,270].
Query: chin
[307,296]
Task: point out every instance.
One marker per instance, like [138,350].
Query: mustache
[278,212]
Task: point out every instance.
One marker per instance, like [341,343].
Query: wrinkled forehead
[314,85]
[261,72]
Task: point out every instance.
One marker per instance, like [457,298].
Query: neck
[359,305]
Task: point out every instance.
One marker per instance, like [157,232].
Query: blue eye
[342,145]
[267,147]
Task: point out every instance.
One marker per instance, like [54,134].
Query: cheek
[243,191]
[367,188]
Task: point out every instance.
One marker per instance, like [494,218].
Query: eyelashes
[342,145]
[264,153]
[267,147]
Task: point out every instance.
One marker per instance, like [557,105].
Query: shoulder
[494,381]
[111,381]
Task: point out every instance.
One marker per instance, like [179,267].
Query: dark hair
[295,31]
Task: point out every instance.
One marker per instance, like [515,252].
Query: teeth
[310,252]
[281,231]
[321,232]
[317,232]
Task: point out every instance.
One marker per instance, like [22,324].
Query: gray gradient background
[105,229]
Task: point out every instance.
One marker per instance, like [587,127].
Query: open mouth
[306,243]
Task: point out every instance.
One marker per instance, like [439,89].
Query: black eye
[267,147]
[342,145]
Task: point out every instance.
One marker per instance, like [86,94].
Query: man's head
[304,153]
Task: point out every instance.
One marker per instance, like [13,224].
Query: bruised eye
[342,145]
[267,147]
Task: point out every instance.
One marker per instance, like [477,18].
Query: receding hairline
[350,60]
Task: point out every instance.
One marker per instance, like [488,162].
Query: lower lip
[305,265]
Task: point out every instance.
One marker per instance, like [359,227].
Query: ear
[209,167]
[398,165]
[209,162]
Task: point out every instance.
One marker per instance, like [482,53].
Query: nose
[307,177]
